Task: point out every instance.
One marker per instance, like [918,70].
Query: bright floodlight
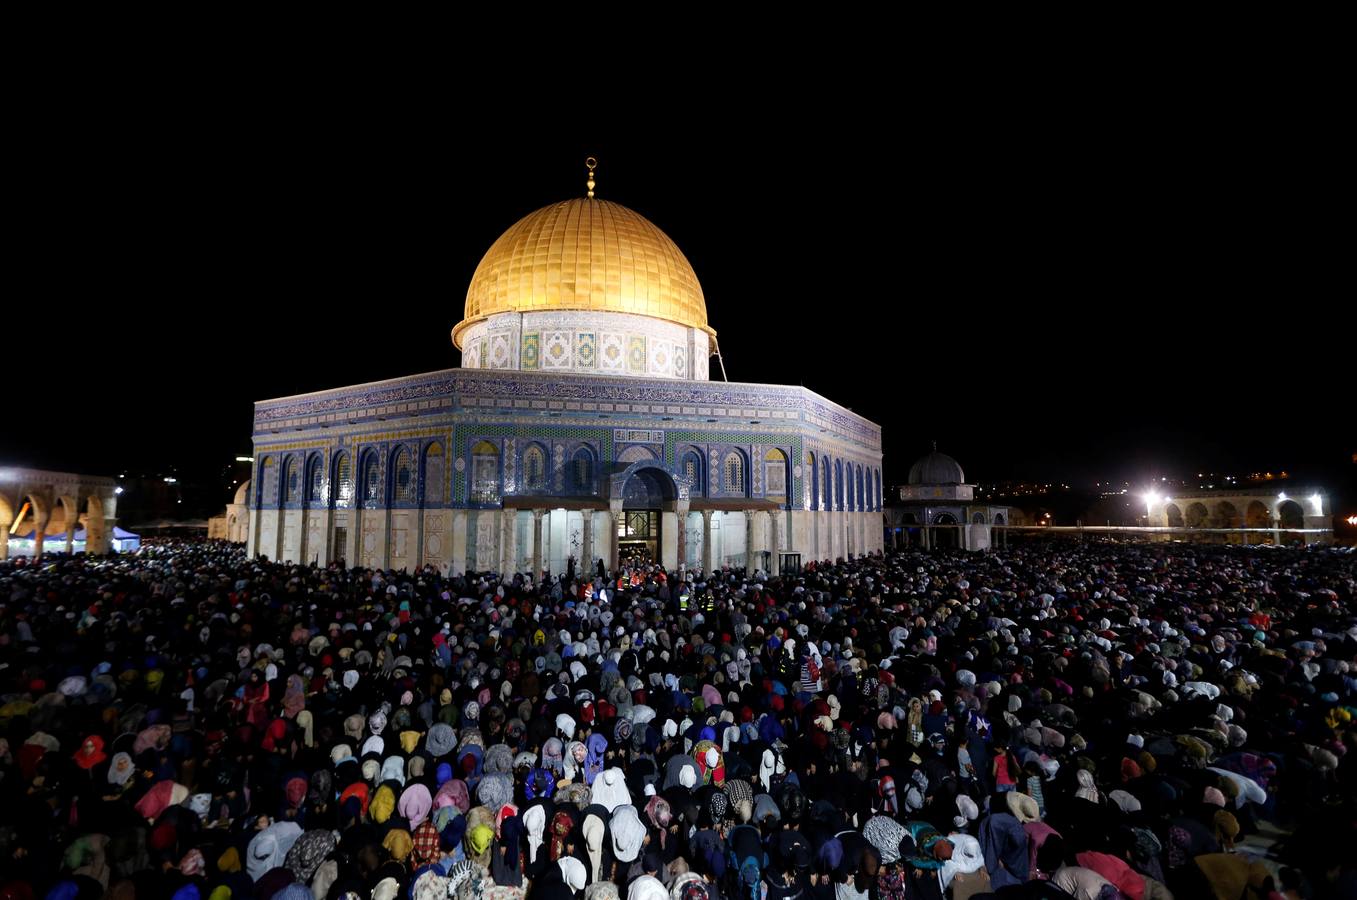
[1282,495]
[244,459]
[1151,498]
[117,490]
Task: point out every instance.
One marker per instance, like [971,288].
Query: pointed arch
[292,480]
[404,488]
[433,485]
[734,474]
[811,481]
[370,480]
[534,467]
[341,478]
[485,474]
[694,467]
[827,485]
[775,474]
[268,482]
[582,471]
[315,480]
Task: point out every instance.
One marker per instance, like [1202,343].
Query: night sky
[1071,289]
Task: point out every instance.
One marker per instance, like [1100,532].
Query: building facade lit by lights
[43,511]
[1277,513]
[581,424]
[937,508]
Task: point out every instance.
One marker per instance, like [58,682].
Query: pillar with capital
[706,541]
[537,515]
[506,540]
[619,522]
[775,538]
[587,550]
[681,512]
[749,562]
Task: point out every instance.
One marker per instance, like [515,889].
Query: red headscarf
[91,752]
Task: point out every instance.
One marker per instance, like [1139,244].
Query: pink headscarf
[415,804]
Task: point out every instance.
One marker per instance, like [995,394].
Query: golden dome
[589,255]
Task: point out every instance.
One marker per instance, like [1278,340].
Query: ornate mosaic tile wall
[615,419]
[585,341]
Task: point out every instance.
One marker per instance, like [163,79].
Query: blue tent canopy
[118,535]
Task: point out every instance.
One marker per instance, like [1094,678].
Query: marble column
[775,538]
[587,550]
[545,533]
[749,563]
[706,542]
[619,520]
[537,544]
[506,540]
[681,511]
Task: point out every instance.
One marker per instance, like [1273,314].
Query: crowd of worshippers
[1047,720]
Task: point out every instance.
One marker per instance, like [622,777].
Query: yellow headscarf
[409,740]
[229,861]
[383,804]
[398,843]
[479,838]
[220,892]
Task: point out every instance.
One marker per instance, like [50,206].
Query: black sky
[1096,283]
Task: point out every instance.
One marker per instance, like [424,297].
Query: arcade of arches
[1250,517]
[39,505]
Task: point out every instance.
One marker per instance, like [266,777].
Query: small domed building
[937,508]
[581,425]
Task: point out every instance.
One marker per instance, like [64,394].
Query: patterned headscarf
[718,806]
[561,826]
[885,834]
[540,783]
[889,803]
[660,815]
[426,848]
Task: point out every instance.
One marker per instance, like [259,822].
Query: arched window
[862,497]
[371,482]
[828,491]
[484,473]
[404,486]
[343,490]
[534,468]
[315,480]
[433,475]
[838,484]
[849,498]
[734,469]
[693,471]
[812,482]
[878,489]
[292,481]
[582,471]
[268,483]
[775,473]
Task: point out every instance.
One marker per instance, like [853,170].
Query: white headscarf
[647,887]
[535,823]
[610,790]
[572,873]
[628,833]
